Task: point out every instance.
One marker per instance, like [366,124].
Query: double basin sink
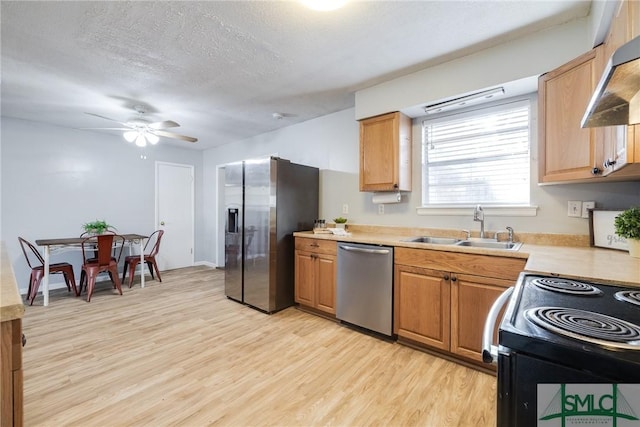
[473,243]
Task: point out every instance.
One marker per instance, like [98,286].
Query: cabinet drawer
[316,245]
[481,265]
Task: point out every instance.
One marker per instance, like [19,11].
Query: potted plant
[96,227]
[627,225]
[340,222]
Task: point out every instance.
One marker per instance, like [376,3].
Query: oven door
[519,378]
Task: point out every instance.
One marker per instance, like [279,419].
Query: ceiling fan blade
[106,118]
[164,125]
[174,135]
[105,128]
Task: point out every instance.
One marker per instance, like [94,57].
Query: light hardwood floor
[180,353]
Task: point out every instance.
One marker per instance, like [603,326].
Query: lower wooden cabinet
[315,274]
[422,306]
[11,392]
[439,305]
[471,300]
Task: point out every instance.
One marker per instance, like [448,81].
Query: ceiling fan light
[153,139]
[130,135]
[141,140]
[324,5]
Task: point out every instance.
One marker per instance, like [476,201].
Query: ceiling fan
[142,131]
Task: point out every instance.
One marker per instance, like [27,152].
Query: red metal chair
[94,251]
[37,271]
[131,261]
[104,261]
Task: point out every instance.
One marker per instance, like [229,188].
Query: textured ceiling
[222,68]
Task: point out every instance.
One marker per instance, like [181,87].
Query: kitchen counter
[11,306]
[11,313]
[566,258]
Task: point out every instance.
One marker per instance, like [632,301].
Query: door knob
[161,222]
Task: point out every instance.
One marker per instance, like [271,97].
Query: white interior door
[175,214]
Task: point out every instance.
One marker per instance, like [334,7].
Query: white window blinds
[476,157]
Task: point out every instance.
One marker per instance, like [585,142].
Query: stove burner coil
[632,297]
[566,286]
[587,326]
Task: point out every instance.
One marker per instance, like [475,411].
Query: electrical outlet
[380,209]
[585,208]
[345,208]
[574,208]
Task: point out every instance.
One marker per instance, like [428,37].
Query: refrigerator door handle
[363,250]
[490,351]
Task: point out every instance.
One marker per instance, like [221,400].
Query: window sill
[488,210]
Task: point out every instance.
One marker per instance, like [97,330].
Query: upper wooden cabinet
[634,17]
[567,152]
[620,146]
[385,153]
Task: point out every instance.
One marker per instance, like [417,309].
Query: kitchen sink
[471,243]
[433,240]
[512,246]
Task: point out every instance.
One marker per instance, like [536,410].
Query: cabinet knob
[608,163]
[454,278]
[446,277]
[596,171]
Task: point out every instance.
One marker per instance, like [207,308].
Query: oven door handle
[490,351]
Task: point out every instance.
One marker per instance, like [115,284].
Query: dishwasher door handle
[364,250]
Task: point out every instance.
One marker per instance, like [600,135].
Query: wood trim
[455,262]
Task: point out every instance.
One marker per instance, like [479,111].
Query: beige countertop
[577,262]
[11,306]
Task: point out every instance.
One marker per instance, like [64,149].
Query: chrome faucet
[510,230]
[478,215]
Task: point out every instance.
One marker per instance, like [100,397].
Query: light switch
[574,208]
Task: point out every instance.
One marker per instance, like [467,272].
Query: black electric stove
[568,335]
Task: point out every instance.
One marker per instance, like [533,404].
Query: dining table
[75,243]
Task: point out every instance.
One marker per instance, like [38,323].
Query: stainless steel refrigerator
[265,201]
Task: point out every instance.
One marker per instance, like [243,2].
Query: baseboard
[52,286]
[205,263]
[63,285]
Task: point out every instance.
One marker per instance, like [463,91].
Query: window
[477,157]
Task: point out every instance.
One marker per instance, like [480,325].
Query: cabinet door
[305,278]
[326,283]
[567,151]
[471,300]
[614,137]
[634,17]
[422,305]
[385,153]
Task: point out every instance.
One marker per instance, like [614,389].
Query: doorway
[175,214]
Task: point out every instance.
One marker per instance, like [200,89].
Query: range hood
[616,100]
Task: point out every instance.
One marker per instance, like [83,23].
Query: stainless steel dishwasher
[365,286]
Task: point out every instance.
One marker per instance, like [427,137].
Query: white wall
[512,61]
[331,144]
[55,179]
